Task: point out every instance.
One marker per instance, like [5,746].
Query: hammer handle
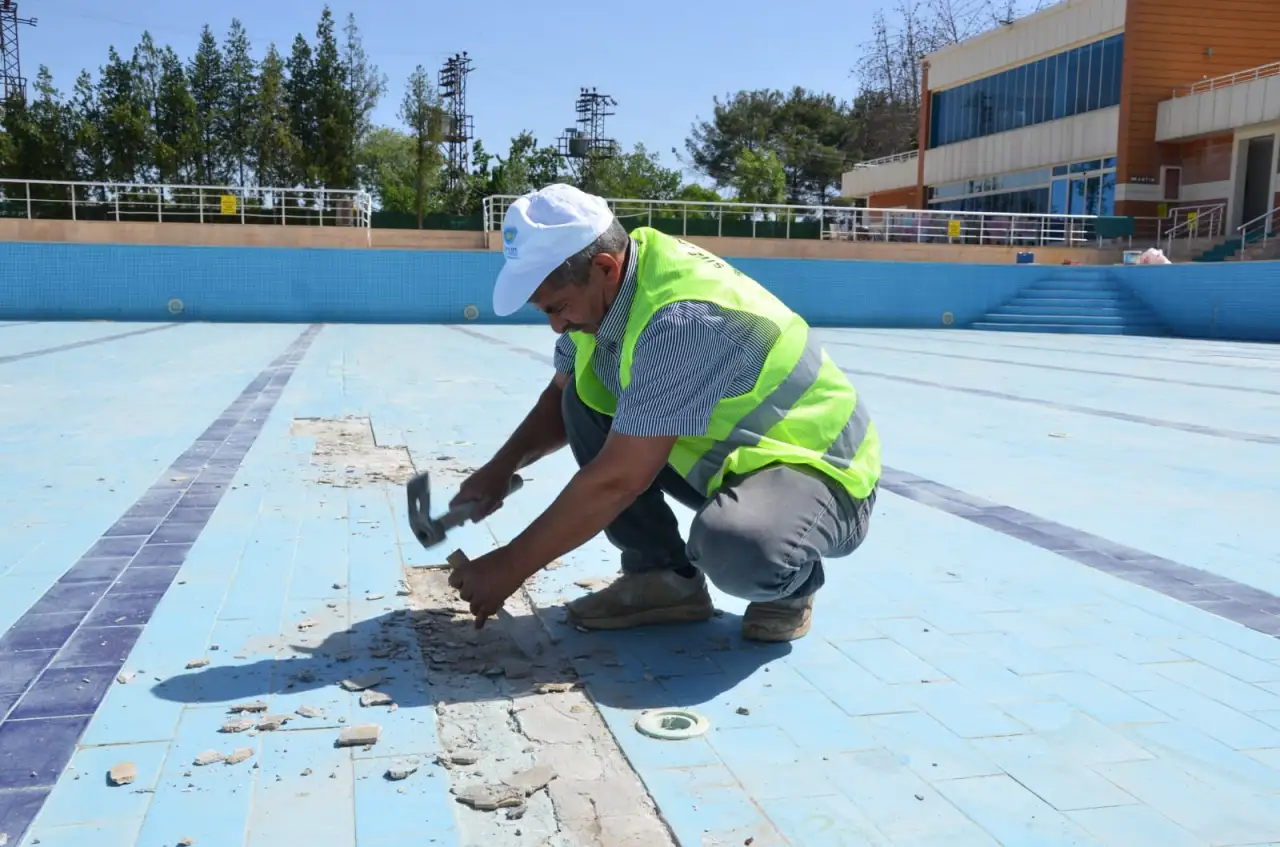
[462,512]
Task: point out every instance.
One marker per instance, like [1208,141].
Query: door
[1257,178]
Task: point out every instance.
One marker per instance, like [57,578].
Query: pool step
[1084,301]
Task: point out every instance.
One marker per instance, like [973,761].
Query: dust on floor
[530,759]
[348,455]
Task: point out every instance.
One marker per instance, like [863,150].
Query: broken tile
[123,773]
[197,663]
[208,757]
[253,706]
[239,755]
[363,681]
[238,725]
[359,735]
[370,697]
[402,768]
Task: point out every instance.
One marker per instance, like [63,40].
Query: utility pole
[458,127]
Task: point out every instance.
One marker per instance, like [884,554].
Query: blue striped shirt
[690,357]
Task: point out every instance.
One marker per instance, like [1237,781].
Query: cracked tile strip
[493,724]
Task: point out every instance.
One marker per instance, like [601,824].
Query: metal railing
[906,156]
[1226,80]
[838,223]
[1199,223]
[1260,229]
[37,199]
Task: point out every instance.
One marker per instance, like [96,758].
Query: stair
[1227,251]
[1083,300]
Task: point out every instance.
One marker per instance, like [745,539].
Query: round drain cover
[672,724]
[471,313]
[948,319]
[175,306]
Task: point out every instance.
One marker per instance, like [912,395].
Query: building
[1098,107]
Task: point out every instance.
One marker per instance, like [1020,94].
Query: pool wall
[58,281]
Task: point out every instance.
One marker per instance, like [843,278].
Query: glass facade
[1069,83]
[1079,188]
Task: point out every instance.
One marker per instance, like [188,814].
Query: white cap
[539,231]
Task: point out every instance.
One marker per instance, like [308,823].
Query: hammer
[431,531]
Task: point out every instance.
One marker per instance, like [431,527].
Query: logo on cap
[509,236]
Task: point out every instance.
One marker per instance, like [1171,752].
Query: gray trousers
[762,537]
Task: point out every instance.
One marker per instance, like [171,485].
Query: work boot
[642,599]
[778,620]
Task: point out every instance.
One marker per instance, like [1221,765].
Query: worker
[675,376]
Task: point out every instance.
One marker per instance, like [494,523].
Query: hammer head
[431,531]
[428,532]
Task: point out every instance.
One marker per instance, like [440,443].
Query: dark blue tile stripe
[58,660]
[1197,429]
[45,351]
[1060,368]
[16,323]
[1235,601]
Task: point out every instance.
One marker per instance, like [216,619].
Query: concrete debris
[196,663]
[253,706]
[125,677]
[123,773]
[363,681]
[186,842]
[592,584]
[743,710]
[306,675]
[532,780]
[338,586]
[375,596]
[463,759]
[402,768]
[402,589]
[270,723]
[370,697]
[516,668]
[208,757]
[360,735]
[310,712]
[240,754]
[553,687]
[348,455]
[240,725]
[487,798]
[307,624]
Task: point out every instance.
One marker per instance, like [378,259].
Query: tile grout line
[1226,598]
[76,345]
[149,537]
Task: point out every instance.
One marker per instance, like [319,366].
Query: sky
[663,61]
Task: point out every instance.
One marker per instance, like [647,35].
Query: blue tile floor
[1062,629]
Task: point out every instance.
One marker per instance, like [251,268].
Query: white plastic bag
[1154,256]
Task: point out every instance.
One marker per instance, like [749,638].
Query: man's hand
[486,583]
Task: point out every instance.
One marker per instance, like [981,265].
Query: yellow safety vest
[802,410]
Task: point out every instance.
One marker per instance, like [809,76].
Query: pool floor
[1061,629]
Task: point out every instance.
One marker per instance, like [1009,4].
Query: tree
[273,147]
[637,174]
[386,169]
[809,132]
[40,134]
[365,83]
[299,95]
[241,85]
[178,142]
[124,121]
[208,80]
[759,177]
[420,111]
[335,126]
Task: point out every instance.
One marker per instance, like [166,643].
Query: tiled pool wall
[56,281]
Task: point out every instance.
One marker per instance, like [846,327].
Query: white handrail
[1267,222]
[163,202]
[844,223]
[1226,80]
[1208,222]
[905,156]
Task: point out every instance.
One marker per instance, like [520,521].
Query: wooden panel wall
[1167,44]
[908,197]
[1203,160]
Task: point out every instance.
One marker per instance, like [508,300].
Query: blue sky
[530,58]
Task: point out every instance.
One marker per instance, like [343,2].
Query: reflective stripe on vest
[749,431]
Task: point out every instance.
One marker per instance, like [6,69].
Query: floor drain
[471,313]
[175,306]
[672,724]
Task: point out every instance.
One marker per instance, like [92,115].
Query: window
[1069,83]
[1078,188]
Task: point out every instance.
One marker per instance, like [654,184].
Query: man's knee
[747,557]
